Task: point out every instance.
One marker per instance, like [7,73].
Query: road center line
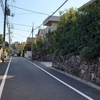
[4,79]
[79,92]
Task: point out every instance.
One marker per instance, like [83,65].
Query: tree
[65,33]
[21,46]
[38,44]
[77,30]
[50,43]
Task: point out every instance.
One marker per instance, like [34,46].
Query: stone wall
[40,56]
[89,71]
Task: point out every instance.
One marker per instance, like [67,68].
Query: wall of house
[3,54]
[54,24]
[28,54]
[0,55]
[51,28]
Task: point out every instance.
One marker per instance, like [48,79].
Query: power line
[30,34]
[24,13]
[43,9]
[21,30]
[28,10]
[17,38]
[51,15]
[21,24]
[2,6]
[20,35]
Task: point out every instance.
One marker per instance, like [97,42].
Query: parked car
[15,55]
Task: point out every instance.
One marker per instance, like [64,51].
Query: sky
[22,22]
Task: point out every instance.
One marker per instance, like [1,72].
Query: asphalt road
[21,79]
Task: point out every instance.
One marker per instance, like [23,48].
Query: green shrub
[62,52]
[56,52]
[87,53]
[72,54]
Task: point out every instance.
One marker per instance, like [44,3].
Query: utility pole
[4,23]
[9,40]
[32,40]
[4,30]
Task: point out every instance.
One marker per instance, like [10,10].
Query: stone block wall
[89,71]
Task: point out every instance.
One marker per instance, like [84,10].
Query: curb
[78,79]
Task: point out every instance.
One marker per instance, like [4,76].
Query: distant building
[41,33]
[15,47]
[16,44]
[29,40]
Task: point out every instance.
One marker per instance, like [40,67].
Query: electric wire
[43,9]
[21,30]
[21,25]
[20,35]
[28,10]
[51,15]
[16,38]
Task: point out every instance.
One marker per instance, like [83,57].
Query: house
[41,33]
[87,4]
[51,23]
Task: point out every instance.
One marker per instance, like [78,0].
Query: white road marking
[4,79]
[79,92]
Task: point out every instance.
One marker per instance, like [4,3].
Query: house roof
[50,19]
[86,4]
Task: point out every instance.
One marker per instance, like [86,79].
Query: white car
[15,55]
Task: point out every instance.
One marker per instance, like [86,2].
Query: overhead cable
[20,35]
[21,24]
[28,10]
[21,30]
[51,15]
[43,9]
